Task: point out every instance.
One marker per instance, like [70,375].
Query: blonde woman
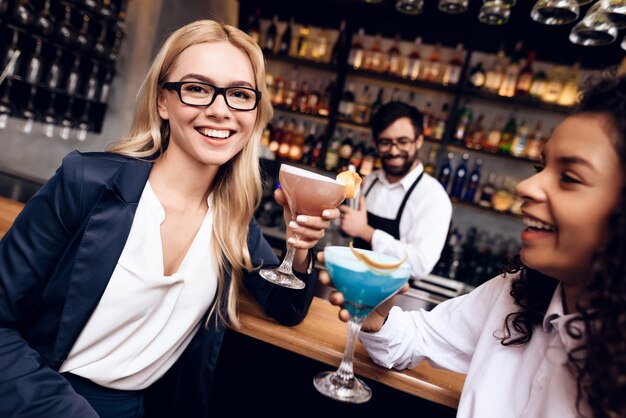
[118,277]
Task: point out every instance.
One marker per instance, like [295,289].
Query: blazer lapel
[103,239]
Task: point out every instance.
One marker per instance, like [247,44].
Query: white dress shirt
[423,225]
[145,320]
[460,335]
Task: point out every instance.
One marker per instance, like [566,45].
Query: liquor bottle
[83,38]
[320,46]
[100,47]
[296,150]
[117,43]
[496,72]
[487,190]
[323,107]
[92,83]
[302,45]
[339,44]
[378,102]
[284,46]
[432,68]
[24,12]
[50,117]
[29,111]
[286,139]
[492,141]
[309,145]
[445,173]
[12,51]
[536,143]
[362,106]
[109,8]
[394,59]
[557,77]
[277,132]
[367,166]
[569,94]
[538,85]
[358,154]
[332,153]
[345,152]
[427,120]
[503,197]
[34,66]
[45,21]
[452,71]
[477,76]
[346,104]
[374,56]
[520,142]
[464,122]
[105,88]
[300,103]
[413,64]
[431,162]
[460,177]
[270,36]
[254,25]
[65,30]
[67,121]
[472,182]
[357,51]
[292,89]
[316,154]
[54,71]
[72,78]
[6,104]
[440,124]
[525,77]
[84,123]
[508,133]
[511,73]
[476,134]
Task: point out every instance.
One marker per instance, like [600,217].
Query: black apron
[390,226]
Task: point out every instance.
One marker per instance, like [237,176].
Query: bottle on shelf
[538,85]
[66,30]
[511,73]
[34,66]
[271,34]
[346,104]
[301,100]
[54,71]
[339,44]
[432,67]
[331,159]
[427,119]
[569,94]
[286,139]
[105,88]
[284,46]
[67,121]
[275,135]
[460,177]
[495,73]
[465,119]
[316,154]
[374,56]
[525,77]
[84,123]
[83,39]
[303,41]
[108,8]
[320,46]
[431,162]
[29,112]
[92,83]
[452,70]
[12,51]
[520,142]
[323,109]
[445,172]
[314,97]
[557,77]
[117,43]
[24,12]
[101,42]
[362,106]
[378,102]
[394,58]
[492,140]
[367,166]
[296,150]
[536,143]
[503,197]
[254,25]
[487,190]
[356,58]
[50,117]
[360,149]
[6,104]
[439,129]
[508,134]
[412,67]
[345,152]
[73,77]
[477,76]
[45,21]
[473,181]
[309,145]
[476,134]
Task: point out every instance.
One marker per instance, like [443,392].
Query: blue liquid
[363,289]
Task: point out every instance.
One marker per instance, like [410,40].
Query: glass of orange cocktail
[307,193]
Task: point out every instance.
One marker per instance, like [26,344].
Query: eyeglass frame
[387,144]
[176,86]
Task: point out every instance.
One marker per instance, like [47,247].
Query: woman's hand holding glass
[309,228]
[375,320]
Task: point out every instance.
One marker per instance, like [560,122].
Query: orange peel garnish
[375,265]
[352,182]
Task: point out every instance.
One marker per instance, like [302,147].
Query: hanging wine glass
[410,7]
[453,6]
[494,12]
[555,12]
[596,29]
[623,44]
[583,2]
[615,10]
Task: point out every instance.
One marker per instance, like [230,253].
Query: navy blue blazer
[55,263]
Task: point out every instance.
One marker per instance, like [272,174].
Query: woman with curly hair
[548,337]
[120,274]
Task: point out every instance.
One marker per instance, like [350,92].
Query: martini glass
[363,288]
[307,193]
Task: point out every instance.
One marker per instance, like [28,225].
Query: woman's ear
[162,106]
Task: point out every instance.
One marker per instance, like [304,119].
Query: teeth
[214,133]
[537,224]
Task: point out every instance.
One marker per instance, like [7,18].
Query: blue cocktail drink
[366,279]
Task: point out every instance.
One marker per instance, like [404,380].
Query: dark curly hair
[598,362]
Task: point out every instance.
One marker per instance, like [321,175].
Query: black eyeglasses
[195,93]
[403,144]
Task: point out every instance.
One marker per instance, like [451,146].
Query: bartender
[402,210]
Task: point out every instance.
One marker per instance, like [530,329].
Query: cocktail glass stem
[342,385]
[286,267]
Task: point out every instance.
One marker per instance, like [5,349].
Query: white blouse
[145,320]
[460,334]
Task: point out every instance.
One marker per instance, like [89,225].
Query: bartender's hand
[354,222]
[375,320]
[310,228]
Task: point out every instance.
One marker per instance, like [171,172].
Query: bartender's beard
[401,170]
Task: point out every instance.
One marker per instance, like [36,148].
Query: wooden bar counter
[322,337]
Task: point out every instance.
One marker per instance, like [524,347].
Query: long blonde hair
[237,185]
